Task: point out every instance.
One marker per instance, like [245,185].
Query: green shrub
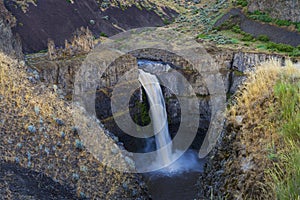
[262,46]
[271,46]
[247,37]
[234,41]
[103,34]
[285,48]
[263,38]
[295,53]
[280,47]
[297,24]
[242,3]
[167,22]
[202,36]
[227,25]
[281,22]
[236,29]
[257,15]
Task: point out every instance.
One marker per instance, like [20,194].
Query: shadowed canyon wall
[232,66]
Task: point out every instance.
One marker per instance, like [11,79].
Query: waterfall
[158,116]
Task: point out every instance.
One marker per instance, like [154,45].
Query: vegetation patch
[264,17]
[263,38]
[232,26]
[258,157]
[285,48]
[242,3]
[286,171]
[217,38]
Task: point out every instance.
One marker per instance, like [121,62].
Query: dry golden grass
[49,152]
[258,140]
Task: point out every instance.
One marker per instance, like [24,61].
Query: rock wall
[244,62]
[9,43]
[60,73]
[287,10]
[232,66]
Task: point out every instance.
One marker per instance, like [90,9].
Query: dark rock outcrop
[58,20]
[244,62]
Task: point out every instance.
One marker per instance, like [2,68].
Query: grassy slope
[268,139]
[286,174]
[24,105]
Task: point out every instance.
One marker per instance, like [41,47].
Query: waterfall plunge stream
[158,116]
[174,160]
[178,179]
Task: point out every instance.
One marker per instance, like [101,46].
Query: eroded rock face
[245,62]
[9,43]
[104,94]
[288,10]
[59,72]
[232,67]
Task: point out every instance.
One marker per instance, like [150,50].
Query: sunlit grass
[268,103]
[286,174]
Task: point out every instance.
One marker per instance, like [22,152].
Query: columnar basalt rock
[232,66]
